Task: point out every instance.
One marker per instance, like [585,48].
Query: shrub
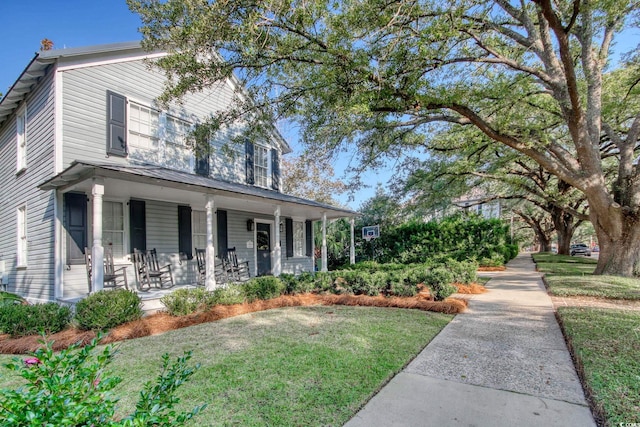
[464,272]
[187,301]
[496,260]
[263,288]
[9,298]
[74,388]
[438,280]
[399,285]
[323,281]
[229,295]
[107,309]
[21,320]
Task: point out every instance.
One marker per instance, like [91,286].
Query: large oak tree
[381,75]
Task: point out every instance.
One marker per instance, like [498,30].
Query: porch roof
[80,171]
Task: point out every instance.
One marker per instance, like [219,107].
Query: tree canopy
[382,76]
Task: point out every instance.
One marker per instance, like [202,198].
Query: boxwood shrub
[20,320]
[265,287]
[107,309]
[439,280]
[187,301]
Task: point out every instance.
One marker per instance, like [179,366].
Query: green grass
[292,366]
[572,276]
[606,343]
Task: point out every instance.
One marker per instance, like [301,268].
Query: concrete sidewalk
[502,363]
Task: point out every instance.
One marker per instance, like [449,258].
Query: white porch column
[324,242]
[277,250]
[352,248]
[210,281]
[97,250]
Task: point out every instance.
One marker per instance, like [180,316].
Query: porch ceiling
[157,183]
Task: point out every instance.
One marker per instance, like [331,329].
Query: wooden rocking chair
[113,277]
[239,270]
[220,271]
[148,271]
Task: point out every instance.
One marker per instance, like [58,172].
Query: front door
[263,248]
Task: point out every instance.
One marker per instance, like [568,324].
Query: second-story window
[21,137]
[143,126]
[261,166]
[176,130]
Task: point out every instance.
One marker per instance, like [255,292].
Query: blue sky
[74,23]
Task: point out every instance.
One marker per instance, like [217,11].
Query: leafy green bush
[9,298]
[74,388]
[439,280]
[263,288]
[496,260]
[229,295]
[464,272]
[107,309]
[323,281]
[21,320]
[187,301]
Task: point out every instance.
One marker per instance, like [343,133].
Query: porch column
[97,250]
[277,250]
[352,249]
[324,242]
[210,281]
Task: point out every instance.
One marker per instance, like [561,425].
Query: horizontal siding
[36,282]
[84,118]
[238,236]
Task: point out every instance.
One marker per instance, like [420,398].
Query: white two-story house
[88,160]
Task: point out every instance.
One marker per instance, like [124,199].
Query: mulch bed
[162,322]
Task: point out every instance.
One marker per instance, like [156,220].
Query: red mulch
[163,322]
[470,289]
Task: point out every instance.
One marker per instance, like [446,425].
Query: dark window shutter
[202,164]
[288,225]
[137,225]
[248,146]
[223,241]
[184,231]
[309,236]
[116,124]
[275,170]
[75,206]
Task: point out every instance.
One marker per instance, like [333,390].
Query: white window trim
[125,227]
[304,238]
[22,244]
[268,167]
[194,234]
[164,122]
[21,152]
[153,138]
[125,244]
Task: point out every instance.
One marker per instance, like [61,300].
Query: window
[177,130]
[298,239]
[261,166]
[21,253]
[143,126]
[113,227]
[199,230]
[21,137]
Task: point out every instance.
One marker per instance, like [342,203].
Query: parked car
[580,249]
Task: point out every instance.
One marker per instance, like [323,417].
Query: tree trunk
[565,226]
[619,252]
[544,239]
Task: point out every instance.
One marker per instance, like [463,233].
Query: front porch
[146,207]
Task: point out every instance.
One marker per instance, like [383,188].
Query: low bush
[187,301]
[439,280]
[20,320]
[9,298]
[323,281]
[107,309]
[229,295]
[263,288]
[496,260]
[74,388]
[464,272]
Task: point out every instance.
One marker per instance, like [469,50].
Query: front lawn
[572,276]
[291,366]
[606,345]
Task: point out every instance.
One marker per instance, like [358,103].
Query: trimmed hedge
[20,320]
[107,309]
